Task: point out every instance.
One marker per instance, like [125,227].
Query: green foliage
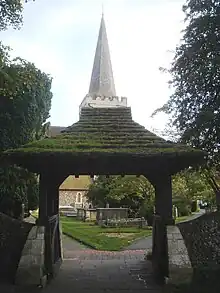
[189,186]
[11,13]
[129,191]
[195,75]
[147,208]
[17,186]
[25,100]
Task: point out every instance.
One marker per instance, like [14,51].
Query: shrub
[147,211]
[184,208]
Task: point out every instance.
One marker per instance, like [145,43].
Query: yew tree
[25,102]
[194,105]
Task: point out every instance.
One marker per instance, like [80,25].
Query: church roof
[106,141]
[72,183]
[102,80]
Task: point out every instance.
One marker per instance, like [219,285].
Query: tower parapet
[101,101]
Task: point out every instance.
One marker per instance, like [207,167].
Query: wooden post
[49,218]
[163,198]
[163,217]
[42,200]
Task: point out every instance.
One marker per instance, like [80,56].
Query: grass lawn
[112,239]
[181,219]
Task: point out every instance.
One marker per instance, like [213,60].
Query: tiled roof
[72,183]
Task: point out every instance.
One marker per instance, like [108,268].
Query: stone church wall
[72,197]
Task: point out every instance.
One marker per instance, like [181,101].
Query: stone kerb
[31,266]
[180,268]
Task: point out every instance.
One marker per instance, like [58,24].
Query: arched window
[79,197]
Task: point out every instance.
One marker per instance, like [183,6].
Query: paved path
[143,244]
[70,246]
[96,272]
[86,270]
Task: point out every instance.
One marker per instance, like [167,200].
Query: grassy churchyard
[94,236]
[112,239]
[102,238]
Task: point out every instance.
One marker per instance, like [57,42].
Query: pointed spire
[102,80]
[102,10]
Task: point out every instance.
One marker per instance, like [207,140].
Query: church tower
[102,91]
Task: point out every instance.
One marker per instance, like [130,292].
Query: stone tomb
[111,213]
[86,214]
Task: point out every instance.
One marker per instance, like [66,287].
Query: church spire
[102,80]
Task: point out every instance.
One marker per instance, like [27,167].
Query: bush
[147,211]
[194,206]
[17,187]
[184,208]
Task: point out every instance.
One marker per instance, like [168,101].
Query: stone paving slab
[104,271]
[103,255]
[85,270]
[88,270]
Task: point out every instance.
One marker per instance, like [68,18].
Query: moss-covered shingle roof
[106,139]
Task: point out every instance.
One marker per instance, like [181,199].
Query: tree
[17,186]
[25,101]
[11,13]
[188,187]
[128,191]
[195,75]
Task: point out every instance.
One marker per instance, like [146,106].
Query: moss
[75,151]
[105,131]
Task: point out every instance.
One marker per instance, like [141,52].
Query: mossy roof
[105,141]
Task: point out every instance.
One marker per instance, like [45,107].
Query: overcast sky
[60,37]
